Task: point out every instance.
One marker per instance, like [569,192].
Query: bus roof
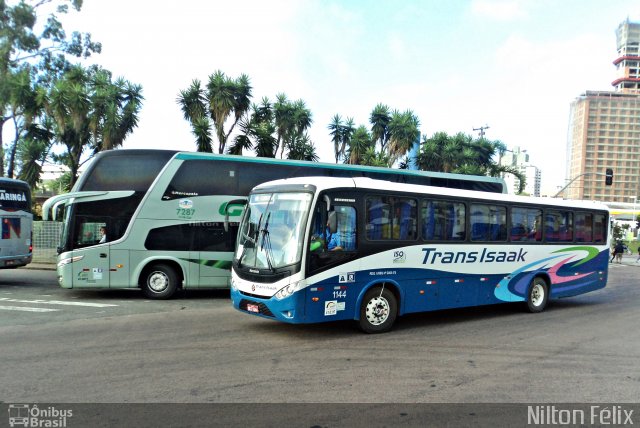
[323,183]
[382,170]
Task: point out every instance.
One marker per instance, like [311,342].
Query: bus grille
[261,307]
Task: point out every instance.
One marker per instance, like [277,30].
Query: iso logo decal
[399,256]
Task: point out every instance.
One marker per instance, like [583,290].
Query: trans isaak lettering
[432,256]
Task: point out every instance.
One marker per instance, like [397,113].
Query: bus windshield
[272,230]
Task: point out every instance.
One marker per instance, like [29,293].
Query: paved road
[115,346]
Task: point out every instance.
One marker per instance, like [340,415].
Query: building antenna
[481,129]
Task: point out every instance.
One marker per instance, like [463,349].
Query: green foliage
[88,111]
[30,62]
[207,109]
[464,155]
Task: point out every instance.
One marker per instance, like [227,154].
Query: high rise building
[519,159]
[604,130]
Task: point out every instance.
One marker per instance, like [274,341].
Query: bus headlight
[68,260]
[232,283]
[288,290]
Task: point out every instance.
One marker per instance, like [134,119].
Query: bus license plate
[252,308]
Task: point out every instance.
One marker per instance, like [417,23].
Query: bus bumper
[284,310]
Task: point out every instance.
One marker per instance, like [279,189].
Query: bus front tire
[538,295]
[378,311]
[160,282]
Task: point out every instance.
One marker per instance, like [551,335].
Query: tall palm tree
[256,132]
[302,149]
[359,144]
[379,120]
[292,119]
[224,98]
[90,112]
[403,133]
[335,128]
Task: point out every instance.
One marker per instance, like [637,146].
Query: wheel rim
[378,310]
[158,282]
[537,294]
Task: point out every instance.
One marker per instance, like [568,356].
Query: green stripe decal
[593,252]
[218,264]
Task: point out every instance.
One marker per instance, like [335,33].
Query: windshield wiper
[266,243]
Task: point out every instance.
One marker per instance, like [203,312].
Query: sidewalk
[629,260]
[40,266]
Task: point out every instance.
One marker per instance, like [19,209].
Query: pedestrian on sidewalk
[638,259]
[619,251]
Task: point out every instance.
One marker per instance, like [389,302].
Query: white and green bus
[155,219]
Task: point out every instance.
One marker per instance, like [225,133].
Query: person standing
[638,259]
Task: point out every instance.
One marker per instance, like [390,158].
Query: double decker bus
[156,219]
[324,249]
[16,247]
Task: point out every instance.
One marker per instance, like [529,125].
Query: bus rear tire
[378,311]
[538,295]
[160,282]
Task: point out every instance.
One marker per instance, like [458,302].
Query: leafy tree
[29,59]
[302,149]
[209,109]
[292,119]
[403,133]
[256,132]
[89,111]
[341,134]
[461,154]
[361,147]
[379,120]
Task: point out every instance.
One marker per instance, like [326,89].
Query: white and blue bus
[154,219]
[323,249]
[16,220]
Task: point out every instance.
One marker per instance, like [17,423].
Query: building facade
[519,159]
[604,130]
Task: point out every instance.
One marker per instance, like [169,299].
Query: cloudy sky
[514,65]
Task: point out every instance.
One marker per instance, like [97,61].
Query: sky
[512,65]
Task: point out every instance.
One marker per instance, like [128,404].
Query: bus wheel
[538,295]
[378,311]
[160,282]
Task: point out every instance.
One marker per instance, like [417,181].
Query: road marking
[27,309]
[58,302]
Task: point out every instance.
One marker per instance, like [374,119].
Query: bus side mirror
[332,222]
[234,202]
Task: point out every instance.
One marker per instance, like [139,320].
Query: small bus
[323,249]
[16,247]
[155,219]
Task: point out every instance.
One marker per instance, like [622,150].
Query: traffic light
[608,180]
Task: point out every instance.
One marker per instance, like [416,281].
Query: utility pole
[481,129]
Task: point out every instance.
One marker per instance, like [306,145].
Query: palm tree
[193,105]
[379,120]
[291,120]
[335,128]
[303,149]
[88,111]
[403,133]
[224,98]
[360,144]
[256,132]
